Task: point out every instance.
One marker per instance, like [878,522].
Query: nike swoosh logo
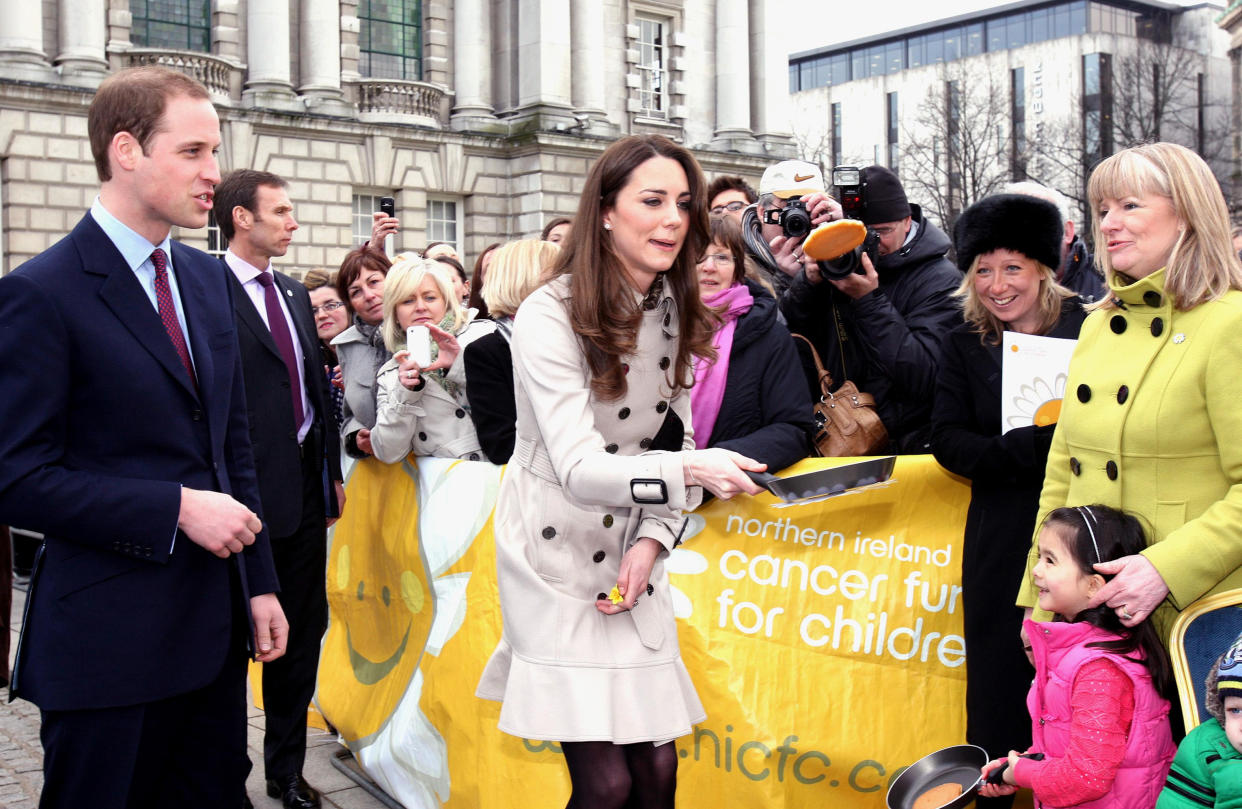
[801,178]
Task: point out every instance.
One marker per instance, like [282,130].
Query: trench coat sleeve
[398,413]
[548,363]
[958,441]
[1195,557]
[658,525]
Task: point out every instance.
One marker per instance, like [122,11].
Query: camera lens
[796,222]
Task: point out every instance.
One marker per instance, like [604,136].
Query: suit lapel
[197,306]
[302,319]
[123,294]
[249,316]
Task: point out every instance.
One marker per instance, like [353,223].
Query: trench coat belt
[534,459]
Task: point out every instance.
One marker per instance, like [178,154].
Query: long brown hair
[601,303]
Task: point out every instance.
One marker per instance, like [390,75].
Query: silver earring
[607,226]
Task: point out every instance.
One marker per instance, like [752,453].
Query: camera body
[794,218]
[388,206]
[852,194]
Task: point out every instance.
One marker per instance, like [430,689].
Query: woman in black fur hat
[1008,245]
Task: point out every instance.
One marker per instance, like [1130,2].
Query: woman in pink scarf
[753,399]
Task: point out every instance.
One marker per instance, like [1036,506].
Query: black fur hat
[1024,224]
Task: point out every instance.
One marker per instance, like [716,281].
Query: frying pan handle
[764,479]
[997,776]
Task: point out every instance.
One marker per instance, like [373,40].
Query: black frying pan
[961,764]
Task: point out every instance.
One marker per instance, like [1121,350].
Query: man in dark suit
[296,453]
[125,443]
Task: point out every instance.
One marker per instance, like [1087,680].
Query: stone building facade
[481,117]
[1231,22]
[1033,89]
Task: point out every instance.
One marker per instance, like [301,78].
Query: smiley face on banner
[379,594]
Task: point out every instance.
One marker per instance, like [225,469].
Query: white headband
[1089,519]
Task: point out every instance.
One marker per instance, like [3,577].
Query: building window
[1017,123]
[390,39]
[364,206]
[442,221]
[652,66]
[216,243]
[1097,108]
[953,116]
[836,134]
[178,24]
[892,121]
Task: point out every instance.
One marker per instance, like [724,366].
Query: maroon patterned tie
[168,312]
[284,342]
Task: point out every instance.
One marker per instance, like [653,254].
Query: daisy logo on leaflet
[1038,403]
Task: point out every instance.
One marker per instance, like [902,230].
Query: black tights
[621,776]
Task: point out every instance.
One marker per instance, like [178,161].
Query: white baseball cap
[792,178]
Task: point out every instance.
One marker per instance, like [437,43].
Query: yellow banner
[824,640]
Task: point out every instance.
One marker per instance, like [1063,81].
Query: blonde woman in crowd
[517,269]
[423,409]
[1151,423]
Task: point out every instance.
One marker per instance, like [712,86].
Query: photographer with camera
[792,201]
[878,314]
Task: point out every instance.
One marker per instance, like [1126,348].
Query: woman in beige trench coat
[600,354]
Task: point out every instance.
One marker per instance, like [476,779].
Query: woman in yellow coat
[1152,418]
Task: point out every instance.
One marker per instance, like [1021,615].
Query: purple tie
[168,312]
[284,343]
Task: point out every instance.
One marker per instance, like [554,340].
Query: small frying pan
[825,482]
[961,764]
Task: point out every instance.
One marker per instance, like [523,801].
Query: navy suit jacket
[100,427]
[273,434]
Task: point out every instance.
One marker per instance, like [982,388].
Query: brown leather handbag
[846,423]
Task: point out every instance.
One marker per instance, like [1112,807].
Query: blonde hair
[402,283]
[319,278]
[1202,265]
[988,325]
[517,269]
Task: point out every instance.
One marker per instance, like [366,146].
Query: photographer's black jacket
[887,341]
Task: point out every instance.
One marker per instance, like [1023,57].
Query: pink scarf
[709,378]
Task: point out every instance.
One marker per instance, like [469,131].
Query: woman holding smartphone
[586,511]
[421,404]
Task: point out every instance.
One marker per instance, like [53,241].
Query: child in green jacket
[1207,771]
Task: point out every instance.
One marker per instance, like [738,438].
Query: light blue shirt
[137,251]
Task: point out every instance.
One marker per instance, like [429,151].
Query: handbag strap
[825,378]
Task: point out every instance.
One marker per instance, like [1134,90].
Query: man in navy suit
[125,442]
[296,449]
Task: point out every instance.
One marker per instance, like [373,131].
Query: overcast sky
[816,23]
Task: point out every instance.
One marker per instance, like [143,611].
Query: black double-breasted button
[422,436]
[664,363]
[608,521]
[1075,467]
[598,557]
[1157,326]
[1110,469]
[645,443]
[601,596]
[1084,393]
[549,532]
[623,413]
[1123,393]
[196,414]
[1117,324]
[611,449]
[459,413]
[1152,298]
[661,406]
[650,589]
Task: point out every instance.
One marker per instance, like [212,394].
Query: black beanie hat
[1024,224]
[886,199]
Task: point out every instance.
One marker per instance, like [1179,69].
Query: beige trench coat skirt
[581,489]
